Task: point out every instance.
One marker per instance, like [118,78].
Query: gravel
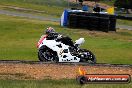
[54,71]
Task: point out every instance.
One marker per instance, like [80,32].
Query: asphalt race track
[65,63]
[49,18]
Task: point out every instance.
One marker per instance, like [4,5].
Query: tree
[127,4]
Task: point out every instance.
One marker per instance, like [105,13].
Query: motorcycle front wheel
[87,56]
[45,54]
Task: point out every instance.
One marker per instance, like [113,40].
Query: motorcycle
[59,48]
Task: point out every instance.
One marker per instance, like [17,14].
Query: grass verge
[50,7]
[124,22]
[48,83]
[20,35]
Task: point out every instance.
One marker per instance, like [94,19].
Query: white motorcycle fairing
[62,50]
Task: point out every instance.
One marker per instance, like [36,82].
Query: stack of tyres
[72,21]
[89,14]
[104,15]
[82,21]
[112,21]
[112,26]
[93,24]
[104,24]
[92,21]
[81,13]
[88,24]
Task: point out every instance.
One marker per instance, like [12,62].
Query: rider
[51,34]
[48,32]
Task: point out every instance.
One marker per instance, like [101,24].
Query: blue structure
[64,17]
[85,8]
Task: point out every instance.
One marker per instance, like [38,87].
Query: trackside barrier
[92,21]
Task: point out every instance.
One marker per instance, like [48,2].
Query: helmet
[50,30]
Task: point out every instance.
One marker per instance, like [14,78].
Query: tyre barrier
[92,21]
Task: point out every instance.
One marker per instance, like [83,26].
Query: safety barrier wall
[92,21]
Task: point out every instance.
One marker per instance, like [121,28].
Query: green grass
[38,2]
[18,38]
[50,7]
[124,22]
[64,83]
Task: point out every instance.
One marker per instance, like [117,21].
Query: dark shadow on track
[64,63]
